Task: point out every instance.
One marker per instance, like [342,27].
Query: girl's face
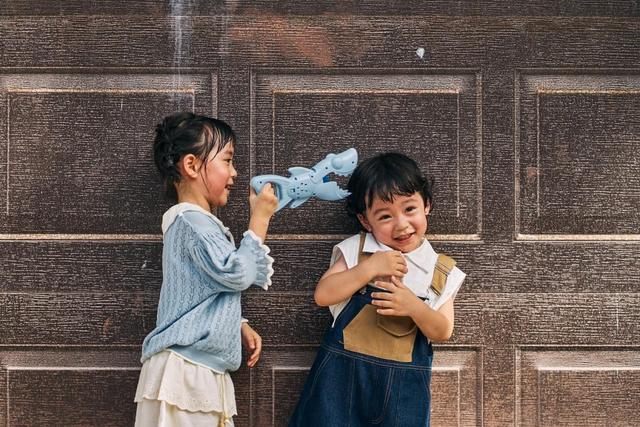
[217,176]
[400,224]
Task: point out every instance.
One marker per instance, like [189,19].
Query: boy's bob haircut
[385,176]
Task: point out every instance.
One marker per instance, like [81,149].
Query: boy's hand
[386,264]
[398,301]
[252,342]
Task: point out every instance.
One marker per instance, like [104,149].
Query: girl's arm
[250,263]
[340,282]
[263,206]
[437,325]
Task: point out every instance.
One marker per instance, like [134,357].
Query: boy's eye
[383,217]
[411,208]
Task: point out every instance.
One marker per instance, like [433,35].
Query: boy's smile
[400,224]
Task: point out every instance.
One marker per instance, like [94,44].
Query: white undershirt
[421,262]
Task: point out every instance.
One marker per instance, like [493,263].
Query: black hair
[385,176]
[187,133]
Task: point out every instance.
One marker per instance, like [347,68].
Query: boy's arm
[340,282]
[437,325]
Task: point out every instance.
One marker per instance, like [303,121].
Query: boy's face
[400,224]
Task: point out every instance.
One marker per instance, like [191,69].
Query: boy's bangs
[389,187]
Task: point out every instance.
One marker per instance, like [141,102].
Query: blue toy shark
[305,183]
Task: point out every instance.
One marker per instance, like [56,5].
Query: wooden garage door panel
[293,318]
[435,118]
[43,397]
[78,149]
[75,318]
[371,7]
[549,290]
[50,386]
[578,156]
[573,386]
[80,266]
[488,319]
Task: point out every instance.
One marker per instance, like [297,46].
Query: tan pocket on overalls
[386,337]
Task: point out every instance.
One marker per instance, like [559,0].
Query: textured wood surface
[525,113]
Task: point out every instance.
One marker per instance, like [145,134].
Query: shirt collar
[422,255]
[174,211]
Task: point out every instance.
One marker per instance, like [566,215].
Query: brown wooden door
[526,113]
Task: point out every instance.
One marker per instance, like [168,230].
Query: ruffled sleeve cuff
[252,246]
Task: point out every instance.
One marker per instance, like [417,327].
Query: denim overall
[346,388]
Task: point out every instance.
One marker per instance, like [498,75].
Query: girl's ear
[427,208]
[364,222]
[189,166]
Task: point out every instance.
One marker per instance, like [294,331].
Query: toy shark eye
[337,163]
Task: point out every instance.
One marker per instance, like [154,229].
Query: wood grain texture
[568,386]
[80,267]
[372,7]
[296,80]
[75,318]
[96,398]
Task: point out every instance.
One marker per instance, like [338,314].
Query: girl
[197,340]
[390,295]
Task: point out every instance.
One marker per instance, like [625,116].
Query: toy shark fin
[298,170]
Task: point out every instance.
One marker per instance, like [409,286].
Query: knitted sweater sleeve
[230,268]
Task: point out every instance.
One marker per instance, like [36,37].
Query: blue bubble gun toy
[305,183]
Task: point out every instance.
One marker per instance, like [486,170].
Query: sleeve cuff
[260,253]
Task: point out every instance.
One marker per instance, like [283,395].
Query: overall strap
[444,265]
[362,255]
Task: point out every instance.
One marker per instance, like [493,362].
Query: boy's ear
[364,222]
[189,166]
[427,208]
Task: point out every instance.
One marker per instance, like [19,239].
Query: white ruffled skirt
[173,391]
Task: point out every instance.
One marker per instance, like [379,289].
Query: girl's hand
[386,264]
[263,206]
[252,342]
[398,301]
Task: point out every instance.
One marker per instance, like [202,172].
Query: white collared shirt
[421,262]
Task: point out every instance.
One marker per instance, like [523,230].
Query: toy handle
[279,185]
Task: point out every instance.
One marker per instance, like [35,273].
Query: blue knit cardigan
[199,315]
